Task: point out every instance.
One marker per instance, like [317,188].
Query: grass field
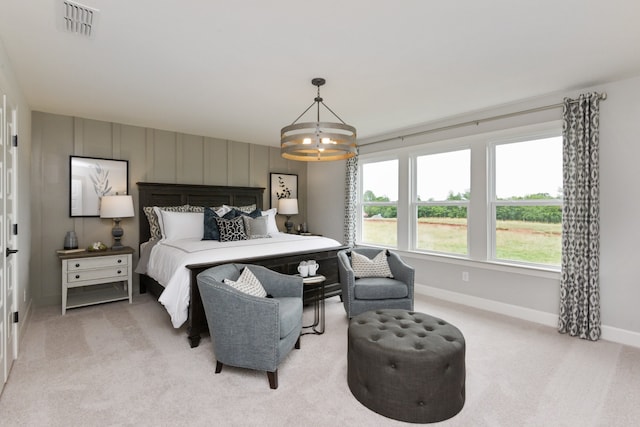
[538,243]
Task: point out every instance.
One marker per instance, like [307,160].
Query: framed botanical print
[90,179]
[283,186]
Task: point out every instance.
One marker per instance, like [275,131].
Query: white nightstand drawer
[117,273]
[97,262]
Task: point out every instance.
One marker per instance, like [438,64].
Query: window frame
[493,202]
[415,204]
[361,204]
[480,210]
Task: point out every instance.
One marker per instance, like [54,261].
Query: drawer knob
[119,271]
[77,264]
[119,261]
[77,276]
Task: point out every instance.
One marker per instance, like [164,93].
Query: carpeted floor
[119,364]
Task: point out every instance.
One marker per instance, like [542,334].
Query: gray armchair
[371,293]
[248,331]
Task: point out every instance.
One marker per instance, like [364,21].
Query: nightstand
[112,269]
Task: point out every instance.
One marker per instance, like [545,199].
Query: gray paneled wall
[154,156]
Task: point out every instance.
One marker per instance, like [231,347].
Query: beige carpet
[119,364]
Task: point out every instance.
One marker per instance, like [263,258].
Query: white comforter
[168,260]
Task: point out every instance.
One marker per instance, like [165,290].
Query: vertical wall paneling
[215,162]
[164,156]
[190,159]
[239,169]
[154,156]
[149,152]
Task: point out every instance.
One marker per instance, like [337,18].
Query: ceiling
[241,70]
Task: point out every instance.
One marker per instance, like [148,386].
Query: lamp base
[288,224]
[117,232]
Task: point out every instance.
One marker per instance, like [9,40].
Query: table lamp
[288,207]
[116,207]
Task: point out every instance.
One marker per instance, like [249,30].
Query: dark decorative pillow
[231,230]
[211,231]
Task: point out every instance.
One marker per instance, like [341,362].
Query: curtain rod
[477,122]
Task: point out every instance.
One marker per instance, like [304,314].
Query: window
[492,197]
[527,201]
[443,184]
[379,202]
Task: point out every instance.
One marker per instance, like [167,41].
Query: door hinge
[14,140]
[15,317]
[15,229]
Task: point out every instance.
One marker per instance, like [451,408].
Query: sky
[522,168]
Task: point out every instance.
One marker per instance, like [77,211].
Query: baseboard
[609,333]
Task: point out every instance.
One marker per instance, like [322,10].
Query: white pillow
[365,267]
[272,227]
[247,283]
[181,225]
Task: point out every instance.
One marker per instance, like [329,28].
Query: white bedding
[168,259]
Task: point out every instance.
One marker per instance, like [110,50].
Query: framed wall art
[90,179]
[283,186]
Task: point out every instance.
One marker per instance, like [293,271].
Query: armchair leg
[273,379]
[298,344]
[218,366]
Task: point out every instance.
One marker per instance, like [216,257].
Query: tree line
[546,214]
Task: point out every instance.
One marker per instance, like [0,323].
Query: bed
[293,250]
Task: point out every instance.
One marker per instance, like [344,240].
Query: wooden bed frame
[157,194]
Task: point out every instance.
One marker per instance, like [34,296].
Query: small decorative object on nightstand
[84,269]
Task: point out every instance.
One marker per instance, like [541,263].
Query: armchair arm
[346,275]
[401,271]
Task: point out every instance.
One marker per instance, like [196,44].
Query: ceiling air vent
[76,18]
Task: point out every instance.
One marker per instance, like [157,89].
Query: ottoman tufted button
[393,377]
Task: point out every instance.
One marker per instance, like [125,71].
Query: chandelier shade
[318,141]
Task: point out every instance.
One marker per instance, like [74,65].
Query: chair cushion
[363,266]
[379,288]
[290,314]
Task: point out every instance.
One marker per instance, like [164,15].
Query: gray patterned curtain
[580,282]
[350,191]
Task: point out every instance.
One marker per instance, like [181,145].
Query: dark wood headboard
[159,194]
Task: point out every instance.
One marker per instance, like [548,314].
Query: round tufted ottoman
[405,365]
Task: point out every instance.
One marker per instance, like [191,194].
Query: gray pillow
[256,228]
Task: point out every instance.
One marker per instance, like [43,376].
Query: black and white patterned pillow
[245,209]
[231,230]
[247,283]
[364,267]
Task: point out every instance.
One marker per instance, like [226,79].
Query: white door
[8,238]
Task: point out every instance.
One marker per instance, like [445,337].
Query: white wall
[9,86]
[517,291]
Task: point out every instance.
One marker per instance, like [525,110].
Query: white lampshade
[288,206]
[116,206]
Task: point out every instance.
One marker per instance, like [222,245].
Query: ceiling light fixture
[318,141]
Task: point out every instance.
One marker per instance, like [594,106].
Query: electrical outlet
[465,276]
